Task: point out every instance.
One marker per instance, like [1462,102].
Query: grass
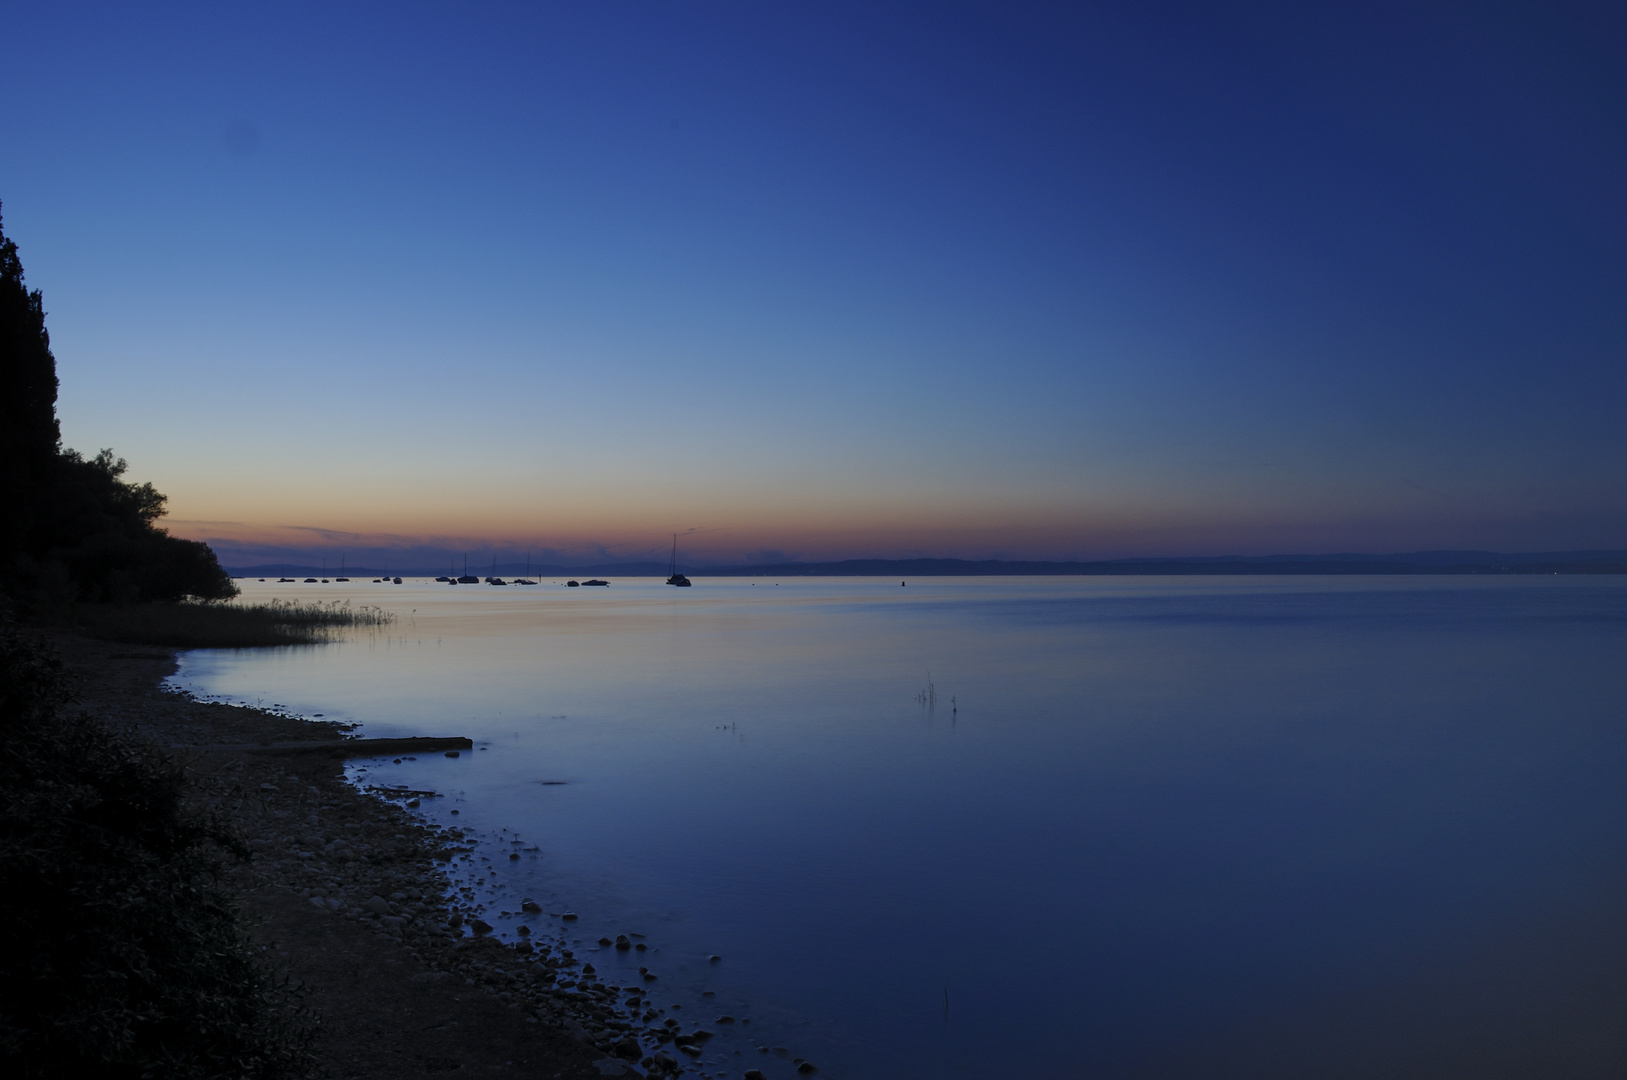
[223,625]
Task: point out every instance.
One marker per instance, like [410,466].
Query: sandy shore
[348,892]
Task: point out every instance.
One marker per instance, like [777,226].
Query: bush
[120,951]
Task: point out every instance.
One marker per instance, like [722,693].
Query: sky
[814,281]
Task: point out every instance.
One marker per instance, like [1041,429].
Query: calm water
[1188,827]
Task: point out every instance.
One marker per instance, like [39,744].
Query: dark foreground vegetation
[199,625]
[121,950]
[121,953]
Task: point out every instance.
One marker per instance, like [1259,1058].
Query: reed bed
[201,625]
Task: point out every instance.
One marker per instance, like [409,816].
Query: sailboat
[341,569]
[467,578]
[676,578]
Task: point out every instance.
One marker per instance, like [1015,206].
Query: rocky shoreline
[352,894]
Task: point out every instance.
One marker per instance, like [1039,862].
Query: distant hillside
[1417,562]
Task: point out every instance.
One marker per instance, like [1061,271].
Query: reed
[203,625]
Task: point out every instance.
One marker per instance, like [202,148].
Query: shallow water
[1149,827]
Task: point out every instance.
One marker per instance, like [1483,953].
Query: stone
[714,958]
[622,943]
[451,753]
[377,905]
[569,916]
[724,1020]
[755,1074]
[531,907]
[480,926]
[523,931]
[807,1068]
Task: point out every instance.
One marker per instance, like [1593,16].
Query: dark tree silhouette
[29,437]
[72,528]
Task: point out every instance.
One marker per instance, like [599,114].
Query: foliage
[120,953]
[72,529]
[28,424]
[222,626]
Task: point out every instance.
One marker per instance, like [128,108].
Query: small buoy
[900,584]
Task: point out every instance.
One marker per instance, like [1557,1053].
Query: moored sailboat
[676,578]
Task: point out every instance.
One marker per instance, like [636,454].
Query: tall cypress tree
[71,528]
[29,436]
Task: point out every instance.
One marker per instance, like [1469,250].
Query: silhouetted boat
[341,569]
[676,578]
[443,577]
[467,578]
[310,581]
[398,581]
[595,581]
[573,583]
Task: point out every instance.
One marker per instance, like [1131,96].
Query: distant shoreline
[1420,562]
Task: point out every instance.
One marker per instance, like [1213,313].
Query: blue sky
[836,280]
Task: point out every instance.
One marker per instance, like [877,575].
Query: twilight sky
[828,280]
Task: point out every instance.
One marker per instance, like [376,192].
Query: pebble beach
[359,900]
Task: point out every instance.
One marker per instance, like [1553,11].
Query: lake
[995,827]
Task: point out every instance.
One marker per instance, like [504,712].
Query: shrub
[120,950]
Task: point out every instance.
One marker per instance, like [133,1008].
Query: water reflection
[1167,825]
